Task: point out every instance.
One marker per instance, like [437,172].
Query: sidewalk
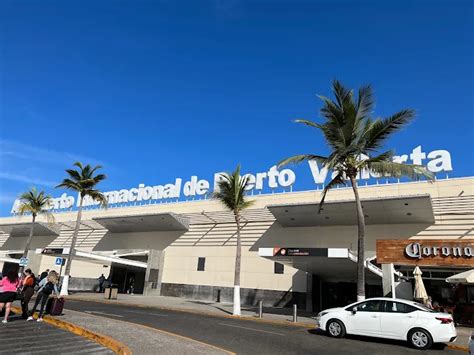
[222,309]
[141,339]
[43,339]
[283,315]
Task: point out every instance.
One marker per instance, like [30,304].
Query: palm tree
[354,139]
[36,203]
[231,193]
[83,181]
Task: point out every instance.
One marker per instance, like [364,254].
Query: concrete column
[34,262]
[153,274]
[309,292]
[387,280]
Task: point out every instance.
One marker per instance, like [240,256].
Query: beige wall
[453,206]
[181,267]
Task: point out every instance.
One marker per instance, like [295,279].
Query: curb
[458,347]
[210,314]
[114,345]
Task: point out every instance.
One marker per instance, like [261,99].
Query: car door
[397,319]
[366,318]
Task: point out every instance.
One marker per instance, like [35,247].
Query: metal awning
[144,223]
[391,210]
[23,229]
[100,258]
[335,264]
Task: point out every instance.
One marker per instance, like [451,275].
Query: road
[244,336]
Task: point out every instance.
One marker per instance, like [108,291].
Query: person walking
[9,285]
[43,275]
[47,286]
[101,283]
[28,289]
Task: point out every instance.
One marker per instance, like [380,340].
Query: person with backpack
[28,289]
[9,285]
[47,286]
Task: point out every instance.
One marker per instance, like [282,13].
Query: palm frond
[309,123]
[381,129]
[392,169]
[83,180]
[231,191]
[34,202]
[336,181]
[300,158]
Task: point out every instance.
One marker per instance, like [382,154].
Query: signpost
[60,262]
[24,261]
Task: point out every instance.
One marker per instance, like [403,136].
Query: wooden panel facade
[426,252]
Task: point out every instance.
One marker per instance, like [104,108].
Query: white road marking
[147,313]
[253,329]
[103,313]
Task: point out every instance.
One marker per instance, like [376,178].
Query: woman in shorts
[9,285]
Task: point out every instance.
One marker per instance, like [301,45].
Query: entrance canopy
[144,223]
[335,264]
[23,229]
[101,258]
[392,210]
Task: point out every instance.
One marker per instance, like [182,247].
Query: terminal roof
[386,210]
[144,223]
[22,229]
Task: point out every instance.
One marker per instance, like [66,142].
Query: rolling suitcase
[55,306]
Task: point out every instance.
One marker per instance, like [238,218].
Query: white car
[390,318]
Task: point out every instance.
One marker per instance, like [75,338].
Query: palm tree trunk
[72,251]
[238,256]
[360,243]
[28,242]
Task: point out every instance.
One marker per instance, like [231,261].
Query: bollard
[218,296]
[295,313]
[260,309]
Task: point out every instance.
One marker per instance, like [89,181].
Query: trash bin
[110,293]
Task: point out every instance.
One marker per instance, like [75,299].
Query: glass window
[397,307]
[370,306]
[201,264]
[278,268]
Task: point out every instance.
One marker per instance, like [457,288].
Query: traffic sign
[24,261]
[59,261]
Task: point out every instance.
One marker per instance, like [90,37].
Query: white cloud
[27,179]
[33,153]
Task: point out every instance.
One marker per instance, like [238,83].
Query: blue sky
[155,90]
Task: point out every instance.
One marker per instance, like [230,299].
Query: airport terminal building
[290,254]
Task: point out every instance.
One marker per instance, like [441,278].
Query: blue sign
[23,261]
[59,261]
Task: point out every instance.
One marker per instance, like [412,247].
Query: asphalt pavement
[245,336]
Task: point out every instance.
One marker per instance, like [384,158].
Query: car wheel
[420,339]
[335,328]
